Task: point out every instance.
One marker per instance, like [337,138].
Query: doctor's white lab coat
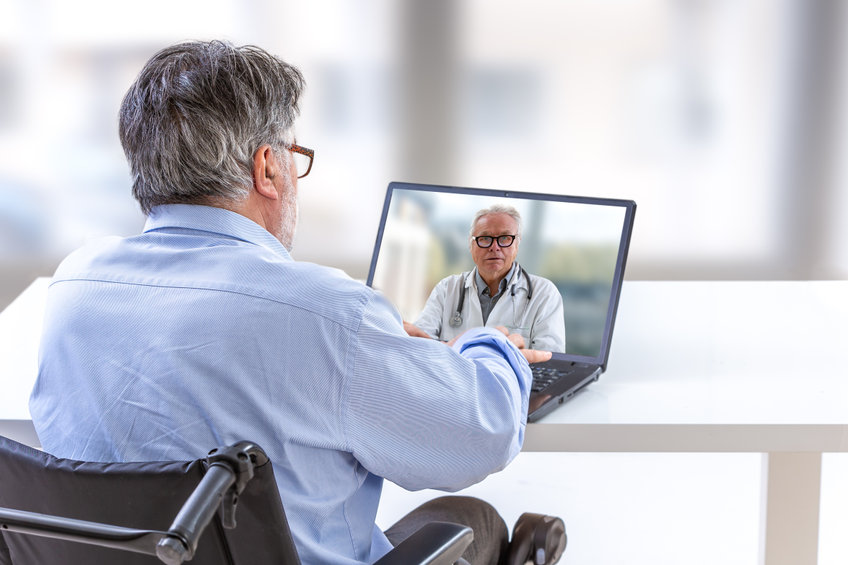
[540,320]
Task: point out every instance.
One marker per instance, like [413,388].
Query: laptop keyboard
[543,375]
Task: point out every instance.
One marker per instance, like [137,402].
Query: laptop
[579,244]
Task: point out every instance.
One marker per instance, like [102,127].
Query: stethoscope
[456,319]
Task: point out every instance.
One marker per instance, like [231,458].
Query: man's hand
[536,355]
[532,355]
[415,331]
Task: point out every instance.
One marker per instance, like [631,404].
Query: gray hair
[198,111]
[497,209]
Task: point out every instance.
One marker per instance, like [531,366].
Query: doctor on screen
[497,292]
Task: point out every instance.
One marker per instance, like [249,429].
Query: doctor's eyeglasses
[485,241]
[302,158]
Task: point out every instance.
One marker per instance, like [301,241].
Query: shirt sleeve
[425,415]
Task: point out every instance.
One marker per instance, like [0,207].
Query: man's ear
[265,168]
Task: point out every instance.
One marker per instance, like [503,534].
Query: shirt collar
[482,286]
[213,220]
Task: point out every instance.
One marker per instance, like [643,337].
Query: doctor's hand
[532,355]
[415,331]
[516,339]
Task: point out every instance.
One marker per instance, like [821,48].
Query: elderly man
[498,292]
[203,330]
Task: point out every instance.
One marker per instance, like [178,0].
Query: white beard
[287,225]
[288,220]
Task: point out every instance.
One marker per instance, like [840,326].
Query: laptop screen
[579,244]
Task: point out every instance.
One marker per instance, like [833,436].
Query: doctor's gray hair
[198,111]
[497,209]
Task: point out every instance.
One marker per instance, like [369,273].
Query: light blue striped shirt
[203,331]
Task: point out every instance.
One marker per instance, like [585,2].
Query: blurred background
[725,120]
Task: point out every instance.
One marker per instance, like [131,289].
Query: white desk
[20,331]
[725,367]
[696,367]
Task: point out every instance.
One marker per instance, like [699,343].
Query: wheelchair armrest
[80,531]
[229,471]
[436,543]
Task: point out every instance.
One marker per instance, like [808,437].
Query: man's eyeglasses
[302,158]
[485,241]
